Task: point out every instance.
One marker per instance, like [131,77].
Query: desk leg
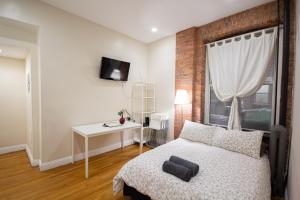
[141,141]
[86,157]
[122,139]
[72,147]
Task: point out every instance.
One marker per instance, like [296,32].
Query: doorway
[13,98]
[19,43]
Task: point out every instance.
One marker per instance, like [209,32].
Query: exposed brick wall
[249,20]
[185,62]
[191,54]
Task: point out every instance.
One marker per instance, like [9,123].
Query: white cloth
[237,69]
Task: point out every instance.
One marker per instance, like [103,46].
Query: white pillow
[248,143]
[197,132]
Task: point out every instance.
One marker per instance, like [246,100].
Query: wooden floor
[18,180]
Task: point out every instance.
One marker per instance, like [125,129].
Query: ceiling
[136,18]
[13,52]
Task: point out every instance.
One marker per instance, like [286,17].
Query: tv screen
[114,69]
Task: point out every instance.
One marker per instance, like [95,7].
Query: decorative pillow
[197,132]
[248,143]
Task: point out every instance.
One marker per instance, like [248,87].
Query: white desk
[92,130]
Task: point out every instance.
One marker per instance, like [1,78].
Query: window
[256,111]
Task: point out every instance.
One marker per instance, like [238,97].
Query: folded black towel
[177,170]
[190,165]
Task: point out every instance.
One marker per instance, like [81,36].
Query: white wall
[18,30]
[71,93]
[12,102]
[294,165]
[161,70]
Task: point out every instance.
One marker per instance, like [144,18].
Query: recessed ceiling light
[154,29]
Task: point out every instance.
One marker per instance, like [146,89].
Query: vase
[122,120]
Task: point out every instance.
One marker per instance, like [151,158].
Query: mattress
[222,175]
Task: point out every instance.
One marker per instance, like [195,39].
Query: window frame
[276,83]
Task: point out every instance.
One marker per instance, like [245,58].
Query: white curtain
[237,67]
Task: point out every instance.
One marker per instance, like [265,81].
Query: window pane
[262,95]
[219,111]
[256,110]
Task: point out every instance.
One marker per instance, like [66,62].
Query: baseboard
[33,162]
[68,159]
[55,163]
[13,148]
[102,150]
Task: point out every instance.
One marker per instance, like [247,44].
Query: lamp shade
[182,97]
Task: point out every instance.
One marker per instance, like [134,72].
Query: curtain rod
[257,31]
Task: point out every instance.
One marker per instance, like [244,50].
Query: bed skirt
[133,193]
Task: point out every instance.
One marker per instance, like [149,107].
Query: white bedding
[222,175]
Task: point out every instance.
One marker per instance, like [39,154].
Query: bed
[223,174]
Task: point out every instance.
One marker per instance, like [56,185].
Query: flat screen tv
[112,69]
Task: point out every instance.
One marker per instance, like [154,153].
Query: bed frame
[276,142]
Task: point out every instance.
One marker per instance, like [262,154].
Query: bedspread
[222,175]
